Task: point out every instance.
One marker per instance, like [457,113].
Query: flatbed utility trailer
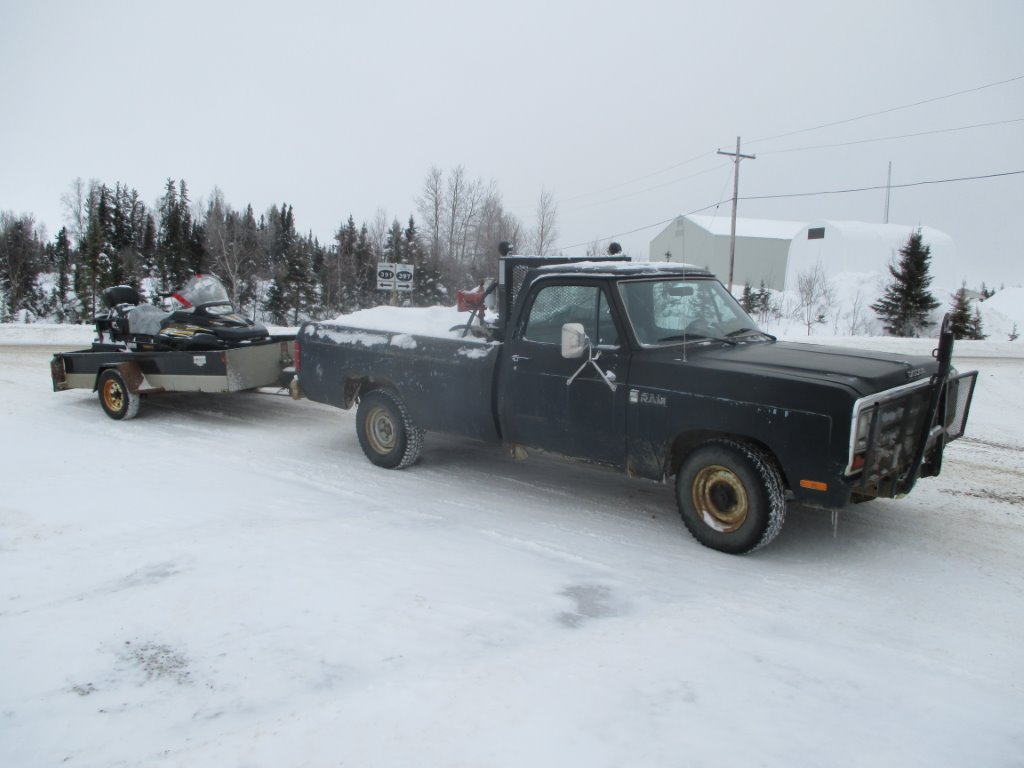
[121,375]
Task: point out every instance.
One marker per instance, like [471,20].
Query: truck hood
[863,371]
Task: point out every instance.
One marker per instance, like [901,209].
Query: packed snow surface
[226,581]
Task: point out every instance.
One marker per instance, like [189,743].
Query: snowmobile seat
[121,294]
[145,320]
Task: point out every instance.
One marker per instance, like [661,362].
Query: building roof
[886,233]
[764,228]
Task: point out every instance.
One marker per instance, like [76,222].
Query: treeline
[270,270]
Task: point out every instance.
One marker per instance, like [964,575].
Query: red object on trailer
[470,301]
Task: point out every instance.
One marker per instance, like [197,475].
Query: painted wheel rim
[720,499]
[380,430]
[113,395]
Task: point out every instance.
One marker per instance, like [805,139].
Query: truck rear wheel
[117,401]
[387,433]
[731,497]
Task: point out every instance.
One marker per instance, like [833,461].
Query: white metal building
[762,247]
[858,246]
[776,252]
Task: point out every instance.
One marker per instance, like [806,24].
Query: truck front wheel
[387,433]
[730,495]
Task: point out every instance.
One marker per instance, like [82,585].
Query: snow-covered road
[226,581]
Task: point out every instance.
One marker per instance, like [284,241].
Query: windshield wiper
[696,337]
[742,331]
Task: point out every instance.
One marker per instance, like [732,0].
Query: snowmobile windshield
[678,310]
[204,289]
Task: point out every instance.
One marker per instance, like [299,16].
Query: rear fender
[132,374]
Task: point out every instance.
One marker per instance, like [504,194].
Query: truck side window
[555,305]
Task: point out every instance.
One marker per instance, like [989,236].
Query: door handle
[518,358]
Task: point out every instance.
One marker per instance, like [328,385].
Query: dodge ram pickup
[656,370]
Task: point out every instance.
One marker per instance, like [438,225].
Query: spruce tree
[364,282]
[62,302]
[345,272]
[428,290]
[174,247]
[974,329]
[747,299]
[905,306]
[960,316]
[20,260]
[94,273]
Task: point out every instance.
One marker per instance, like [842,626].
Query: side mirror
[574,340]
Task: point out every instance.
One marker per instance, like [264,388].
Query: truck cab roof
[618,269]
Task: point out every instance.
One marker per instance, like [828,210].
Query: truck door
[537,405]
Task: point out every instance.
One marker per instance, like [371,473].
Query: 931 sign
[395,277]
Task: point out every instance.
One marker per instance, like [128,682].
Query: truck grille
[888,430]
[894,429]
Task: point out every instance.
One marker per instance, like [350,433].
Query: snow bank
[1002,311]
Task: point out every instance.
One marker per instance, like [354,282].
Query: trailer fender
[132,374]
[59,375]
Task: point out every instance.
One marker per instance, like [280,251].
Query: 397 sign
[395,277]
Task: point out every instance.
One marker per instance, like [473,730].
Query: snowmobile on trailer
[203,318]
[201,345]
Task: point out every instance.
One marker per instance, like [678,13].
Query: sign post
[395,278]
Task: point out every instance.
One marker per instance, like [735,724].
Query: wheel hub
[381,430]
[113,395]
[720,498]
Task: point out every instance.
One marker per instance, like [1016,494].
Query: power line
[796,132]
[890,109]
[892,138]
[645,177]
[646,226]
[798,194]
[893,186]
[647,189]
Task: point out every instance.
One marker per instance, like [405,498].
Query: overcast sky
[341,108]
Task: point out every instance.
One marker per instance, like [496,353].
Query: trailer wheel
[117,400]
[730,495]
[387,433]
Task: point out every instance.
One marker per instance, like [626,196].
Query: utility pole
[735,195]
[888,188]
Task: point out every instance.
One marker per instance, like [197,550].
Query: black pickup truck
[654,369]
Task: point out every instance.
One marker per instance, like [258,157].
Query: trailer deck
[145,372]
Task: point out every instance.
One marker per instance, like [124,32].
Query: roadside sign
[403,277]
[385,276]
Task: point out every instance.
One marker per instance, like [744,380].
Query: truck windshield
[673,311]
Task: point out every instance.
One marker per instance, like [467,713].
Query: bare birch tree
[378,233]
[815,296]
[546,233]
[431,206]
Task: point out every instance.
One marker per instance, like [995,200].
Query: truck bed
[447,383]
